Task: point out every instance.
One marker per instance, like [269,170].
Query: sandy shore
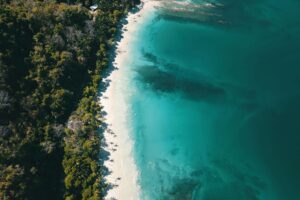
[122,172]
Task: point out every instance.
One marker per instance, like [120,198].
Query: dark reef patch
[162,81]
[183,189]
[220,179]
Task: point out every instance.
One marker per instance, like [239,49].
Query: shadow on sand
[105,82]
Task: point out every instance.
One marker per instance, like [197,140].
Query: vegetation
[51,57]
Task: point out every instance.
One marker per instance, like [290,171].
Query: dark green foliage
[51,57]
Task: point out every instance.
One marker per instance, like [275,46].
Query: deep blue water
[215,113]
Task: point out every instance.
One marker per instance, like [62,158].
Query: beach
[122,175]
[200,109]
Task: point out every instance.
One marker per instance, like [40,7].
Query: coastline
[122,173]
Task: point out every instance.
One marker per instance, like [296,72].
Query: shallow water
[215,101]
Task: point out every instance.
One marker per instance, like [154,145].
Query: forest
[52,54]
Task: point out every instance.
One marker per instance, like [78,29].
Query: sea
[213,96]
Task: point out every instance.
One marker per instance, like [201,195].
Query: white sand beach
[123,174]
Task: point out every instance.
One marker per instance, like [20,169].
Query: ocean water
[215,101]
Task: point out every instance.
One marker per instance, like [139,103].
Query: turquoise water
[215,113]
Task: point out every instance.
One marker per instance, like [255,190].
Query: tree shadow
[105,154]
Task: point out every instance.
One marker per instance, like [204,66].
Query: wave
[222,13]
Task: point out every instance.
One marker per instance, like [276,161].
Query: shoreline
[121,172]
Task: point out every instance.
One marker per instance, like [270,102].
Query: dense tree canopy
[51,57]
